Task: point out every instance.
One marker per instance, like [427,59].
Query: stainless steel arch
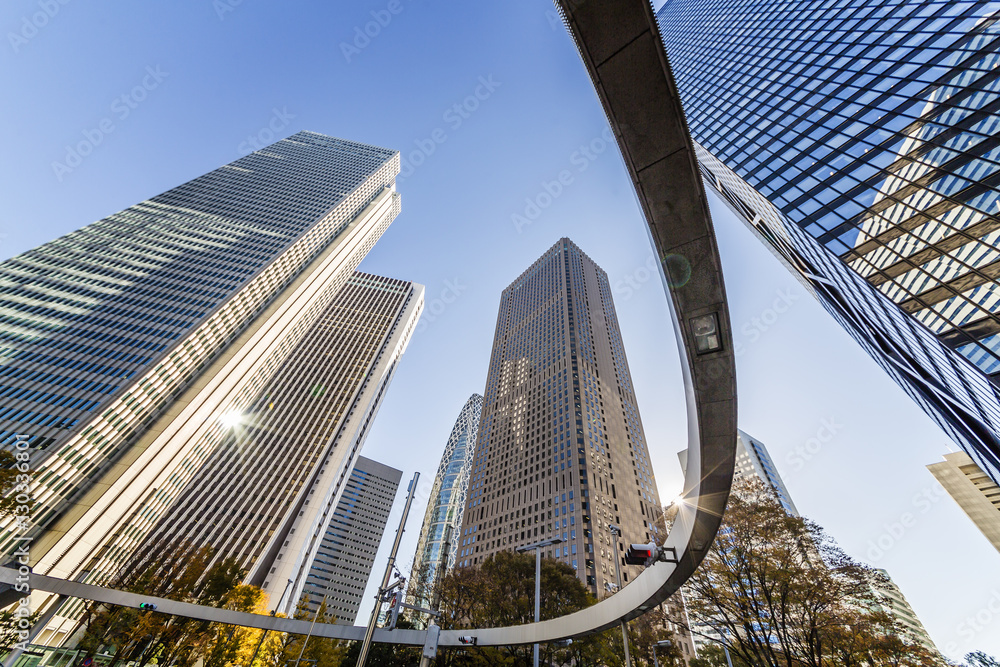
[620,45]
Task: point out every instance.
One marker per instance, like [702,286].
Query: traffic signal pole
[367,642]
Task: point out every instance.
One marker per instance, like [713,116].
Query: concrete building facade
[973,490]
[346,555]
[561,451]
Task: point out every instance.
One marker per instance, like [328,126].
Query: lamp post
[725,643]
[660,644]
[537,547]
[617,532]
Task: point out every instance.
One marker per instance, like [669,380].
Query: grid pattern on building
[753,460]
[561,450]
[872,129]
[895,603]
[973,490]
[343,564]
[243,501]
[107,325]
[242,495]
[443,519]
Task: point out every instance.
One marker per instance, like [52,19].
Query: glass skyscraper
[561,450]
[132,347]
[445,506]
[859,140]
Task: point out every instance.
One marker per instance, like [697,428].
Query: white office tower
[135,347]
[346,555]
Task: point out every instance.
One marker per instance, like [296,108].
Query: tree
[10,469]
[319,651]
[385,655]
[185,573]
[779,591]
[10,626]
[980,659]
[501,592]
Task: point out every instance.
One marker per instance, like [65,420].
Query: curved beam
[620,45]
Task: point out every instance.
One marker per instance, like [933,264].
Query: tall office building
[266,494]
[561,451]
[973,490]
[130,343]
[859,140]
[435,553]
[339,573]
[894,602]
[753,460]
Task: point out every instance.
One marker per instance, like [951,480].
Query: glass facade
[861,141]
[446,503]
[130,345]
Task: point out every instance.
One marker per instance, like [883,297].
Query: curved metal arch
[620,45]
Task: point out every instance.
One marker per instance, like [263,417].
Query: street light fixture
[537,547]
[617,532]
[665,643]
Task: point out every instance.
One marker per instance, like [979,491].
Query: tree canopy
[778,592]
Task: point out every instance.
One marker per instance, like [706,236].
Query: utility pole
[366,644]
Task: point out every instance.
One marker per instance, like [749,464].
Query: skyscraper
[973,490]
[561,450]
[134,344]
[859,140]
[339,573]
[753,460]
[435,553]
[894,602]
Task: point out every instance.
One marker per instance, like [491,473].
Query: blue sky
[162,92]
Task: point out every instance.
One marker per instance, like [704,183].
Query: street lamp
[660,644]
[617,532]
[537,547]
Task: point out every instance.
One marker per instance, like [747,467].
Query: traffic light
[468,639]
[641,554]
[147,606]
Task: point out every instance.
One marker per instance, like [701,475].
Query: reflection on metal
[620,45]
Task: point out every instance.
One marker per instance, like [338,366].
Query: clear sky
[159,93]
